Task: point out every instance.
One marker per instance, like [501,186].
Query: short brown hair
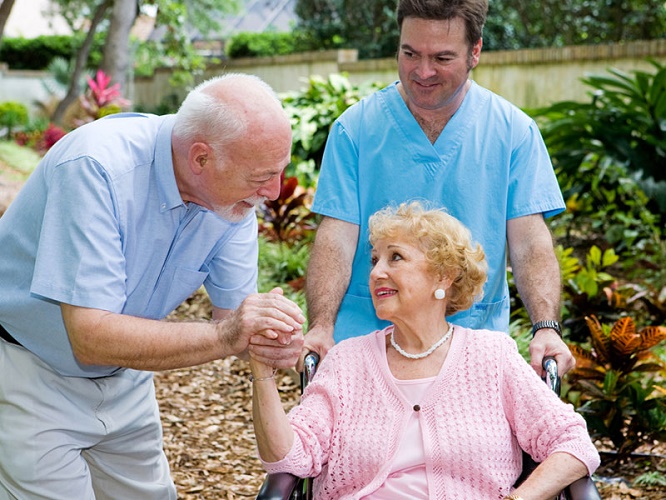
[446,243]
[472,12]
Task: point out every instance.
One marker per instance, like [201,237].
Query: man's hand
[547,342]
[270,322]
[272,353]
[319,340]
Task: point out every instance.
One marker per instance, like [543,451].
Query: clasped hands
[268,327]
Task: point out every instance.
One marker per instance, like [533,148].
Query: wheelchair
[285,486]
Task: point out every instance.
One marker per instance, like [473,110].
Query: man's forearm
[329,270]
[535,268]
[539,285]
[103,338]
[100,337]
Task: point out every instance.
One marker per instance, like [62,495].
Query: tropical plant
[286,230]
[12,114]
[617,383]
[588,279]
[288,219]
[590,289]
[312,112]
[607,208]
[623,123]
[281,264]
[652,478]
[284,266]
[101,99]
[51,135]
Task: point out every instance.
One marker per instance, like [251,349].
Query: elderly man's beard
[239,210]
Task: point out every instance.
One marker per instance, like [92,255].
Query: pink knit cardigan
[485,405]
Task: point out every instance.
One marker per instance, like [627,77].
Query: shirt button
[163,205]
[417,408]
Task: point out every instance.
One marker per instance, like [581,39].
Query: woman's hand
[552,475]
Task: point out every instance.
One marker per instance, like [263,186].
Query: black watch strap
[540,325]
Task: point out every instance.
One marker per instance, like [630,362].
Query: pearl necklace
[425,353]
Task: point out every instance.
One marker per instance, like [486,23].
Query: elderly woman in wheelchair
[423,408]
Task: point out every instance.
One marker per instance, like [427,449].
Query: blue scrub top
[489,165]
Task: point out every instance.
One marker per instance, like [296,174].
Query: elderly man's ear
[200,153]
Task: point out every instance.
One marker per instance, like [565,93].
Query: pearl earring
[440,293]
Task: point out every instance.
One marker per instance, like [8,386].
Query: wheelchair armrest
[583,489]
[278,486]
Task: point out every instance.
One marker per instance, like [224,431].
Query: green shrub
[37,53]
[312,112]
[284,266]
[22,160]
[169,104]
[268,44]
[606,206]
[12,114]
[623,122]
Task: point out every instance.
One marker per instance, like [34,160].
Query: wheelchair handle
[309,368]
[552,379]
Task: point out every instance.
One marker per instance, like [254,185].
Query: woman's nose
[377,270]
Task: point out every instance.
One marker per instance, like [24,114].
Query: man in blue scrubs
[121,221]
[436,135]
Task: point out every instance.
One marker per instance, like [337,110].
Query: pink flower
[103,95]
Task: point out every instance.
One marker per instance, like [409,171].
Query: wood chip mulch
[206,414]
[208,437]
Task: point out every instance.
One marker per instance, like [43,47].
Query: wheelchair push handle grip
[309,368]
[550,374]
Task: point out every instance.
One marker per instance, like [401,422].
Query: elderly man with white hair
[121,221]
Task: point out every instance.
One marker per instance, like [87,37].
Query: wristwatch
[540,325]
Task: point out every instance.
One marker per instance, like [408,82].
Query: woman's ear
[445,282]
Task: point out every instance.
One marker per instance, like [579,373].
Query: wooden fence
[528,78]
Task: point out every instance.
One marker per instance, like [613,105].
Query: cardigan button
[417,408]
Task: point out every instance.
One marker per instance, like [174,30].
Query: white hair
[202,115]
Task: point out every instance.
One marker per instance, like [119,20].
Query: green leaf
[594,255]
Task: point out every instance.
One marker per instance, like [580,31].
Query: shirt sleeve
[312,422]
[533,187]
[233,271]
[79,259]
[542,423]
[337,193]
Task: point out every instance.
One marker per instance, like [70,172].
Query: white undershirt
[407,475]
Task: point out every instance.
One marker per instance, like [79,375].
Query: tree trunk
[74,90]
[5,9]
[116,59]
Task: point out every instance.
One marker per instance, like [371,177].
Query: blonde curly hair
[446,243]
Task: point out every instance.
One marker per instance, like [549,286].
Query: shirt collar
[166,178]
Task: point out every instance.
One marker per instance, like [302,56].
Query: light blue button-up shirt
[101,224]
